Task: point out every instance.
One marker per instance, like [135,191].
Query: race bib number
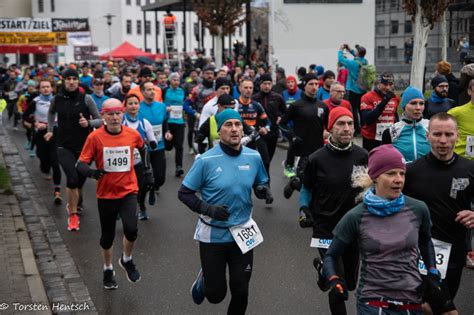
[381,127]
[320,243]
[136,156]
[470,146]
[442,252]
[117,159]
[158,131]
[247,235]
[12,95]
[176,112]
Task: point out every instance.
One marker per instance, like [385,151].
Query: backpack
[366,76]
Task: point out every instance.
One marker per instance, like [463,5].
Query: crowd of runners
[391,218]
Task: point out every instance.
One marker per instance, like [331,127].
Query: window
[393,52]
[380,52]
[408,27]
[53,6]
[393,27]
[139,27]
[40,6]
[128,2]
[240,30]
[182,28]
[157,27]
[138,2]
[147,27]
[129,27]
[393,4]
[380,27]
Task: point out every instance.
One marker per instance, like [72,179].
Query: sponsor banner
[79,39]
[22,38]
[25,25]
[70,25]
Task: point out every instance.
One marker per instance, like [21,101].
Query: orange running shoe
[73,222]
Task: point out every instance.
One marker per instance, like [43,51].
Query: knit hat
[225,99]
[386,78]
[31,83]
[437,80]
[319,70]
[70,73]
[384,158]
[266,77]
[222,82]
[308,77]
[225,115]
[336,113]
[409,94]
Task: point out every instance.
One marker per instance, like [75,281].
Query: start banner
[26,25]
[24,38]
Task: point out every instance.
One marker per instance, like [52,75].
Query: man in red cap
[327,194]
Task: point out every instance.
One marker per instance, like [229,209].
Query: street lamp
[109,23]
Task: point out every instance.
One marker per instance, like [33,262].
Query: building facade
[311,31]
[128,23]
[394,29]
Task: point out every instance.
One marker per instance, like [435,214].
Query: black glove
[432,285]
[388,96]
[263,192]
[338,291]
[96,174]
[218,212]
[148,180]
[322,282]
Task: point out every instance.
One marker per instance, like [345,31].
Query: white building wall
[95,10]
[311,33]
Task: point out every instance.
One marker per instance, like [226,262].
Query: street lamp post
[109,23]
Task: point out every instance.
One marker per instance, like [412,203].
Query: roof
[163,5]
[126,51]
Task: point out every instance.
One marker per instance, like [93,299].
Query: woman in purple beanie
[389,228]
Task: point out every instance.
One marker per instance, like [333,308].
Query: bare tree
[425,13]
[221,17]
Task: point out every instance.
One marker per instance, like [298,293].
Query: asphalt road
[283,279]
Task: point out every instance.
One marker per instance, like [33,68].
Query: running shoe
[322,282]
[57,198]
[73,222]
[130,270]
[288,191]
[151,197]
[197,289]
[142,215]
[32,153]
[289,172]
[179,171]
[27,145]
[109,280]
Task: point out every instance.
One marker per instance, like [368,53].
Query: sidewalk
[21,282]
[39,272]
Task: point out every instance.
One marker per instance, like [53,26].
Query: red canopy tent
[126,51]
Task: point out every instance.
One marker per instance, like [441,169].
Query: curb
[54,278]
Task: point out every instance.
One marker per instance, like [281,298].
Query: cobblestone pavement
[37,268]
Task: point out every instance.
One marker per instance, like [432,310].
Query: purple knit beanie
[384,158]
